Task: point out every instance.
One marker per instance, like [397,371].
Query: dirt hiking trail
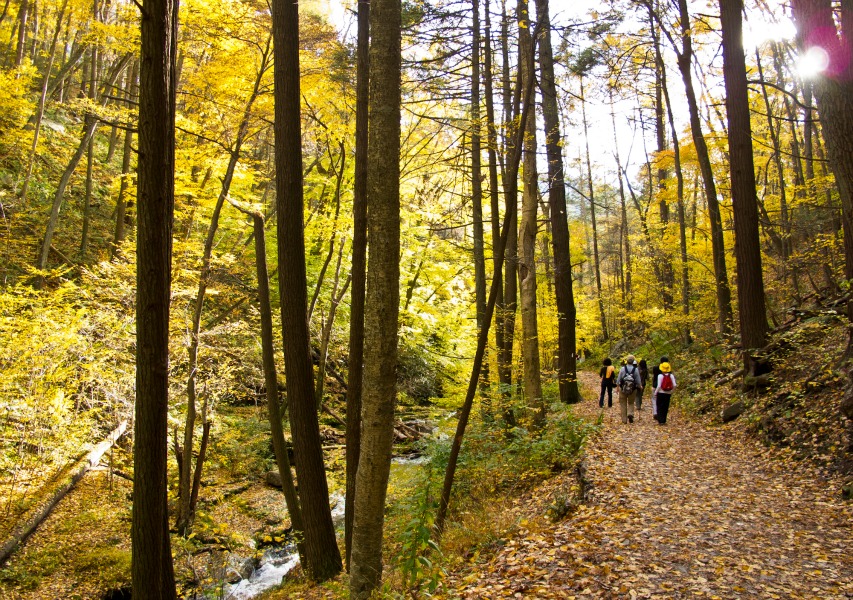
[676,511]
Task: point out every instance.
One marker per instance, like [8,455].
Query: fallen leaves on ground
[676,511]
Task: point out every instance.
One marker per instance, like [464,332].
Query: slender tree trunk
[321,548]
[359,258]
[527,234]
[42,103]
[186,509]
[563,285]
[494,196]
[152,572]
[626,241]
[605,335]
[271,383]
[682,224]
[23,14]
[89,127]
[122,217]
[476,177]
[751,307]
[685,63]
[784,226]
[382,303]
[328,325]
[663,259]
[500,249]
[510,293]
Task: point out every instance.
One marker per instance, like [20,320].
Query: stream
[278,561]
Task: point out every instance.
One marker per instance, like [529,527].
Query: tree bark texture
[833,91]
[152,572]
[382,303]
[527,234]
[279,445]
[751,306]
[321,549]
[605,335]
[359,260]
[685,64]
[563,285]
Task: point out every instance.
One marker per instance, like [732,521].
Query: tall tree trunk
[500,249]
[623,210]
[663,259]
[510,293]
[527,234]
[682,224]
[274,415]
[42,103]
[122,217]
[751,308]
[494,196]
[186,509]
[833,91]
[321,549]
[382,303]
[23,14]
[152,572]
[605,335]
[563,285]
[685,63]
[476,176]
[359,259]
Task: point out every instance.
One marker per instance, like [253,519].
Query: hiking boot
[630,418]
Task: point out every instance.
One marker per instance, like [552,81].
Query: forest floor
[674,511]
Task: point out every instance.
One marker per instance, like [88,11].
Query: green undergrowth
[496,467]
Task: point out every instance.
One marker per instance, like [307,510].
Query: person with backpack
[655,374]
[608,380]
[629,385]
[644,377]
[663,392]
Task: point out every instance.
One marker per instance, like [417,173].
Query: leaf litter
[674,511]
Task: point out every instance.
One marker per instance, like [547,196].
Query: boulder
[239,567]
[273,478]
[732,411]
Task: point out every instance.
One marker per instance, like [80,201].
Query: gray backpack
[628,384]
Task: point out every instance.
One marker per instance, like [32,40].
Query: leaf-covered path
[677,511]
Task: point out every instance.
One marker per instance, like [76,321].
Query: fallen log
[23,531]
[728,378]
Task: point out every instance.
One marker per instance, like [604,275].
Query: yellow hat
[665,368]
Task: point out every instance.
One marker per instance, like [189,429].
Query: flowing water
[278,562]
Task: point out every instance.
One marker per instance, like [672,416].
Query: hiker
[665,386]
[655,373]
[608,379]
[629,385]
[644,377]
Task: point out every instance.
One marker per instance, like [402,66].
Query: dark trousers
[663,406]
[606,385]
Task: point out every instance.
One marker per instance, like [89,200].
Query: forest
[309,299]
